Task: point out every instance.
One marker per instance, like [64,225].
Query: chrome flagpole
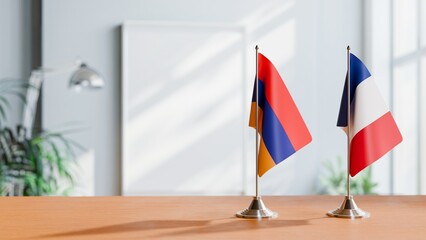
[257,121]
[257,208]
[348,209]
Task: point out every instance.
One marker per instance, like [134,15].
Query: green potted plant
[33,166]
[334,177]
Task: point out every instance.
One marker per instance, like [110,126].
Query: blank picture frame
[184,108]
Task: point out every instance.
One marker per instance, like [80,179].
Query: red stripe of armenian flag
[281,127]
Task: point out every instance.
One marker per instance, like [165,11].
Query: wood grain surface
[300,217]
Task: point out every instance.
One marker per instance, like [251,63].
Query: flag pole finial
[348,48]
[257,47]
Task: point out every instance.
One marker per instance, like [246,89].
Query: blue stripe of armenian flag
[281,127]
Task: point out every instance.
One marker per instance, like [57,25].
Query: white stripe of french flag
[373,129]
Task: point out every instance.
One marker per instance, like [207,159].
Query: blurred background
[171,117]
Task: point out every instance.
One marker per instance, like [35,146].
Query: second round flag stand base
[257,209]
[348,209]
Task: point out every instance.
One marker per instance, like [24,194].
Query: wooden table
[392,217]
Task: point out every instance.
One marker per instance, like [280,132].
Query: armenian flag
[281,127]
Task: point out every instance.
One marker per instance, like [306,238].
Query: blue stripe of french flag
[373,129]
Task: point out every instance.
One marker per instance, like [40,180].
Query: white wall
[15,48]
[305,39]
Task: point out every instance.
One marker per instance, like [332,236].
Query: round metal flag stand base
[349,209]
[257,209]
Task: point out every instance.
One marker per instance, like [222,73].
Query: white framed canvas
[184,109]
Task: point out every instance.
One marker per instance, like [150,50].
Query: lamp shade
[86,77]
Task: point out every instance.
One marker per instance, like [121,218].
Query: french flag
[373,129]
